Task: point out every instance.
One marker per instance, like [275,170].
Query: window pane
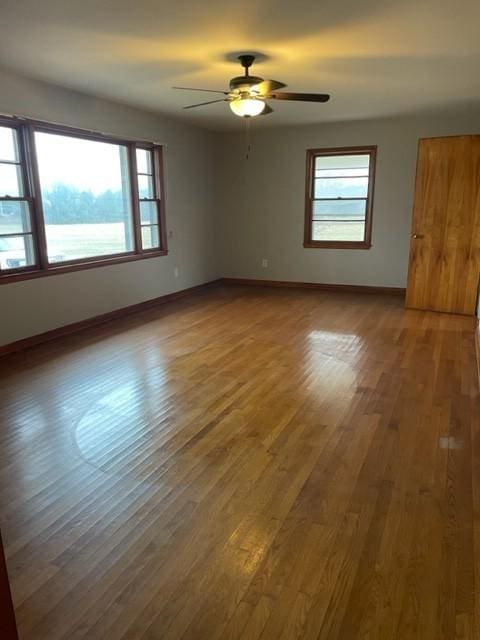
[341,173]
[11,180]
[8,144]
[338,231]
[341,187]
[339,209]
[144,161]
[145,187]
[16,252]
[14,217]
[148,212]
[342,163]
[86,197]
[150,238]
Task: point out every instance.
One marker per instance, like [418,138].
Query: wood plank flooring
[246,464]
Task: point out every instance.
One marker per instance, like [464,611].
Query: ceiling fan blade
[225,93]
[268,109]
[305,97]
[267,86]
[201,104]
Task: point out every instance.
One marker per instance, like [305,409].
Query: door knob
[417,236]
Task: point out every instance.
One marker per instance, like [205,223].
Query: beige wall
[263,200]
[35,306]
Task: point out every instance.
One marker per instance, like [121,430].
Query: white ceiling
[375,57]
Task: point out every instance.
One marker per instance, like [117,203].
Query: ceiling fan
[248,94]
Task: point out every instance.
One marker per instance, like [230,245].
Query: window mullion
[32,181]
[132,166]
[310,196]
[158,170]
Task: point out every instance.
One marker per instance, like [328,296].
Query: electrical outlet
[170,233]
[176,272]
[264,263]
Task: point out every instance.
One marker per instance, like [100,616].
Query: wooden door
[445,244]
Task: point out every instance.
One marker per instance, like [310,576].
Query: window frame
[26,129]
[158,193]
[312,154]
[27,196]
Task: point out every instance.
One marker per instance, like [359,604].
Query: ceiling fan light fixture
[248,106]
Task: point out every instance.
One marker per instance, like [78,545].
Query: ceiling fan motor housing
[244,82]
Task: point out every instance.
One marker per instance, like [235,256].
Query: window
[16,234]
[339,197]
[70,200]
[85,190]
[149,195]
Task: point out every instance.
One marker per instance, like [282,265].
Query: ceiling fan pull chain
[247,136]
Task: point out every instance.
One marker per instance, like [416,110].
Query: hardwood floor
[246,464]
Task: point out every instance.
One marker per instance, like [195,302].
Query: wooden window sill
[336,245]
[31,273]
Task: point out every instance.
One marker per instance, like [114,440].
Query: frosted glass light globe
[247,106]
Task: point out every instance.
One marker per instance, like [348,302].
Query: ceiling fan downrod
[246,60]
